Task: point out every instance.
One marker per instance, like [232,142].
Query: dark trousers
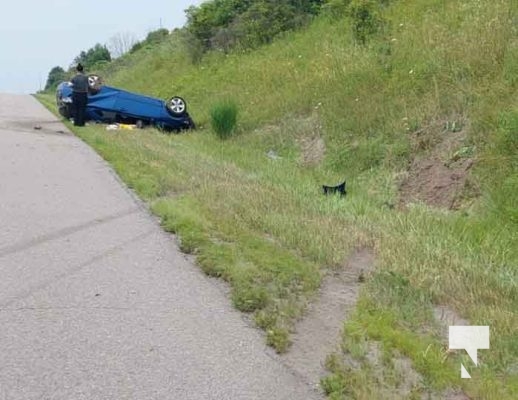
[79,101]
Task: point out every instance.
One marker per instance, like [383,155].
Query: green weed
[224,118]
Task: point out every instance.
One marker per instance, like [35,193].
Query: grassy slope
[262,225]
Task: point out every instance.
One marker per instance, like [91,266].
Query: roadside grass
[251,210]
[224,118]
[272,241]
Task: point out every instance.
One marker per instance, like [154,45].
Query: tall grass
[224,118]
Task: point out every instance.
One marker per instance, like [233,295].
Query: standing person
[79,96]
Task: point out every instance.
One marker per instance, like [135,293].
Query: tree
[266,19]
[95,55]
[365,19]
[56,75]
[204,21]
[223,24]
[156,36]
[152,38]
[121,43]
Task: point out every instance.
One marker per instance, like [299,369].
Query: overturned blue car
[110,105]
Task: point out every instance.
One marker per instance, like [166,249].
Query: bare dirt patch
[395,377]
[308,136]
[313,150]
[318,334]
[446,317]
[452,394]
[398,379]
[303,132]
[439,173]
[434,183]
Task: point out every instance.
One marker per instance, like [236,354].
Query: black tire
[95,83]
[176,106]
[65,111]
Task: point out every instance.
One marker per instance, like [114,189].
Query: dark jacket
[80,83]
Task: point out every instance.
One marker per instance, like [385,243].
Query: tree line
[227,24]
[100,54]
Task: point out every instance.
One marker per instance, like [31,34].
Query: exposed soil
[313,150]
[446,317]
[452,394]
[438,185]
[409,380]
[318,334]
[439,173]
[308,136]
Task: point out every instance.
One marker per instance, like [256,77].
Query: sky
[37,35]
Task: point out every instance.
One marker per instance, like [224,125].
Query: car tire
[65,111]
[176,106]
[95,83]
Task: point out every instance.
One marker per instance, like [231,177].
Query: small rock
[272,155]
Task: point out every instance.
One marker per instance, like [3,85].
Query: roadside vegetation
[224,118]
[415,104]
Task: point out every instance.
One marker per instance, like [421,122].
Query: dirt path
[318,334]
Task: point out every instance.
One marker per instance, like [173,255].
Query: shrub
[224,118]
[56,75]
[96,54]
[227,24]
[366,20]
[157,36]
[336,8]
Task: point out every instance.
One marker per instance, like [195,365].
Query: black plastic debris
[338,189]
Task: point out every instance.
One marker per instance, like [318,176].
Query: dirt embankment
[439,174]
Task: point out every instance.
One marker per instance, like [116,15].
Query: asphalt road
[96,301]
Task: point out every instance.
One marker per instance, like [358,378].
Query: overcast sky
[36,35]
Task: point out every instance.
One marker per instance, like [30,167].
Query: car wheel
[177,106]
[65,111]
[94,84]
